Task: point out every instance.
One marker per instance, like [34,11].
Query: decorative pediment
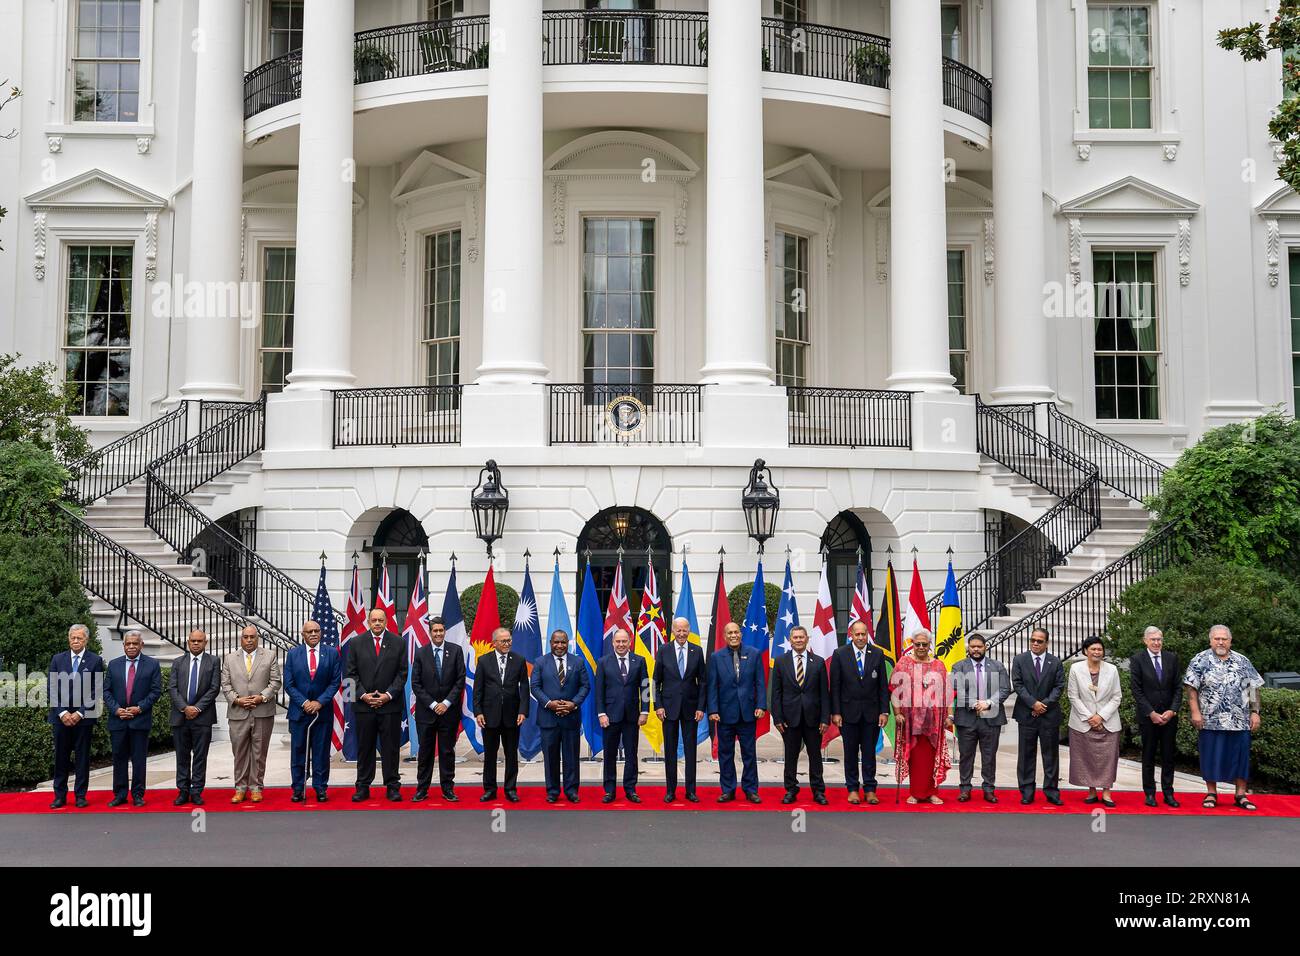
[1282,204]
[1130,196]
[95,190]
[278,192]
[961,197]
[805,176]
[431,174]
[619,154]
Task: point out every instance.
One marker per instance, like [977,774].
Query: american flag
[860,607]
[416,635]
[356,624]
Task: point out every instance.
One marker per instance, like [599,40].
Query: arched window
[636,530]
[402,538]
[845,542]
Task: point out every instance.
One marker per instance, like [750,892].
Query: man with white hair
[75,683]
[1154,677]
[679,703]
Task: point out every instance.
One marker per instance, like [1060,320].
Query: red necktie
[130,681]
[378,641]
[311,664]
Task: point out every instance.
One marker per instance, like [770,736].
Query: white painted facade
[880,184]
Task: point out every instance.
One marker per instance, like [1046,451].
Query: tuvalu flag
[950,637]
[646,642]
[591,645]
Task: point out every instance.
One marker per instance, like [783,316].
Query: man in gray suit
[195,682]
[981,685]
[250,682]
[1038,680]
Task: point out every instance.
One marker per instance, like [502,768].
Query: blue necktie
[76,663]
[437,661]
[859,663]
[194,678]
[1160,671]
[681,661]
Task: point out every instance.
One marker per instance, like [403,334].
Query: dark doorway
[402,538]
[635,530]
[846,542]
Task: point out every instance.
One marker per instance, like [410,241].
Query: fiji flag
[454,622]
[528,642]
[754,634]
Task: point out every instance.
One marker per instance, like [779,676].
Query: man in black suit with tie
[133,684]
[76,683]
[859,707]
[679,704]
[500,708]
[438,683]
[193,689]
[801,709]
[1156,682]
[622,689]
[376,673]
[1037,680]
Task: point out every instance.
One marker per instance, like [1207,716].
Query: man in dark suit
[679,703]
[132,685]
[622,689]
[560,684]
[438,683]
[737,699]
[312,672]
[500,708]
[1156,682]
[376,672]
[980,686]
[193,689]
[75,684]
[801,709]
[1038,678]
[859,707]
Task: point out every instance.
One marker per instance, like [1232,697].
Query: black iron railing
[153,598]
[1085,609]
[624,414]
[430,46]
[1125,469]
[403,415]
[125,460]
[829,53]
[987,590]
[274,82]
[237,435]
[662,37]
[967,91]
[849,417]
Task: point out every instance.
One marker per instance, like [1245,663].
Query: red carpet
[534,798]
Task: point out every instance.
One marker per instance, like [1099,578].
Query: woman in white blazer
[1095,692]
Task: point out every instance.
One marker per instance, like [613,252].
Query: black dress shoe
[361,796]
[58,803]
[790,797]
[1054,799]
[692,798]
[1091,798]
[820,799]
[512,796]
[322,797]
[607,798]
[1108,804]
[990,796]
[80,803]
[753,798]
[963,796]
[726,797]
[394,796]
[670,797]
[297,798]
[632,797]
[488,796]
[450,796]
[420,796]
[552,798]
[1151,800]
[571,797]
[196,799]
[117,801]
[1171,800]
[137,801]
[182,798]
[1026,801]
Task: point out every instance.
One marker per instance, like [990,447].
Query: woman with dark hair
[1094,690]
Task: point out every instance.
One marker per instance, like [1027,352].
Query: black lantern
[490,502]
[761,501]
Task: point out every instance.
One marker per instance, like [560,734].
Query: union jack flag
[416,636]
[343,738]
[618,614]
[860,606]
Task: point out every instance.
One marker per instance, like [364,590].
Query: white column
[1019,327]
[322,314]
[918,308]
[512,222]
[212,330]
[736,346]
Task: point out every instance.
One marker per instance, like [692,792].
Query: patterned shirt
[1223,686]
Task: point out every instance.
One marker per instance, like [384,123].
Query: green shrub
[738,601]
[36,409]
[31,483]
[507,604]
[1235,495]
[40,598]
[1262,608]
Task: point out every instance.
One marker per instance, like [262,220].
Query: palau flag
[591,645]
[950,636]
[528,642]
[686,609]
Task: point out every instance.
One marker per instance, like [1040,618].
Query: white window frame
[578,238]
[1164,129]
[1293,342]
[810,297]
[963,29]
[1160,325]
[63,88]
[967,252]
[422,265]
[262,245]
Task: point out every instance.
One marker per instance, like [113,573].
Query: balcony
[400,415]
[623,414]
[849,417]
[641,37]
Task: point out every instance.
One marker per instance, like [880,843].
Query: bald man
[376,672]
[679,689]
[501,695]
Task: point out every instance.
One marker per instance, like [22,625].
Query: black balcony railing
[125,460]
[662,37]
[829,53]
[967,91]
[624,414]
[274,82]
[405,415]
[1125,469]
[849,417]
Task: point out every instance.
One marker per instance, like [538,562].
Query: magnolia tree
[1253,42]
[14,93]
